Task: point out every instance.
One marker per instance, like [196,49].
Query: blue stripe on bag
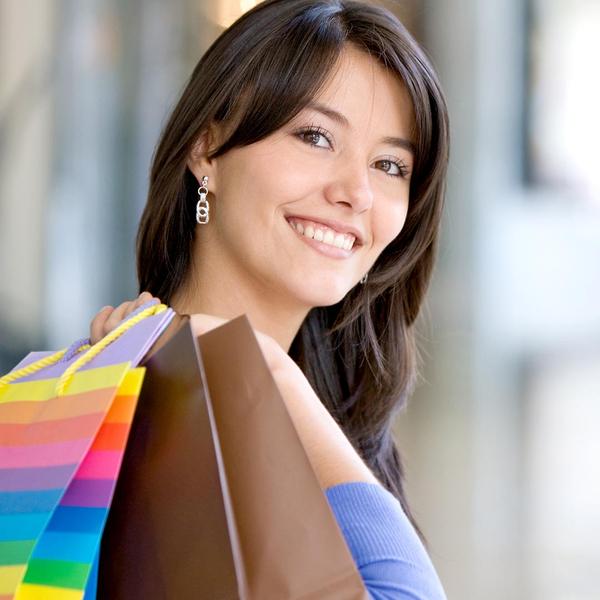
[78,518]
[74,547]
[38,501]
[22,527]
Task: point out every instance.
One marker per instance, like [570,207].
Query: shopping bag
[64,421]
[217,498]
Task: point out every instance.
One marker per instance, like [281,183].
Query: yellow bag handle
[92,352]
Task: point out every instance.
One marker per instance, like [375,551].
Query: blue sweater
[387,550]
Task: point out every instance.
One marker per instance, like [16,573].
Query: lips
[332,251]
[336,226]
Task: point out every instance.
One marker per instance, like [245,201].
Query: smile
[322,233]
[325,240]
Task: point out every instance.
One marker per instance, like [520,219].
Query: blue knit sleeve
[386,548]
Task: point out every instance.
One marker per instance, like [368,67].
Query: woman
[301,180]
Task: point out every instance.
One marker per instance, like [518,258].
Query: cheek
[389,221]
[276,174]
[290,175]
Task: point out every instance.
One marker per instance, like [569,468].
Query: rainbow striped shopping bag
[64,423]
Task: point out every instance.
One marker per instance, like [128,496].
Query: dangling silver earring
[202,207]
[364,278]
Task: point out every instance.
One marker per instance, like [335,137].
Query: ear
[199,163]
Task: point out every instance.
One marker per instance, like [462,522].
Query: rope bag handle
[152,307]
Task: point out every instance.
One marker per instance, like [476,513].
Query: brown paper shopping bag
[217,498]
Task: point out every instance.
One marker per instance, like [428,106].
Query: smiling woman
[329,175]
[320,132]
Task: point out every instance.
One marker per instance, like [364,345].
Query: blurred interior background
[502,438]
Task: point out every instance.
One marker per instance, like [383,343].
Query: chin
[324,297]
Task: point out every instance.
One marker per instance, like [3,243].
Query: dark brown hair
[360,354]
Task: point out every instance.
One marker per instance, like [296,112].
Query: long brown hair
[360,354]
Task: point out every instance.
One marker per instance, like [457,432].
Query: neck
[229,297]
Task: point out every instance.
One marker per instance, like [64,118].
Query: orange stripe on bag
[121,409]
[49,432]
[73,405]
[112,436]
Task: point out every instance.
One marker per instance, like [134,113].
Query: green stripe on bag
[16,552]
[58,573]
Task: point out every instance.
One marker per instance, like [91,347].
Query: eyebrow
[398,142]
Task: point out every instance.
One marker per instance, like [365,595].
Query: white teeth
[327,237]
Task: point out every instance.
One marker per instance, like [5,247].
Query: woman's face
[327,173]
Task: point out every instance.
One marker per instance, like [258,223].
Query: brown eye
[390,165]
[312,135]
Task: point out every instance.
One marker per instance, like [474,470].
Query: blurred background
[502,439]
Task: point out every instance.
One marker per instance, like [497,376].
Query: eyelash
[404,172]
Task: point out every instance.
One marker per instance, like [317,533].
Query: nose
[351,187]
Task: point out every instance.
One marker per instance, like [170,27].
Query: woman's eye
[394,168]
[313,136]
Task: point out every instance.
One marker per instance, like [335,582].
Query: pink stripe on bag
[43,455]
[100,464]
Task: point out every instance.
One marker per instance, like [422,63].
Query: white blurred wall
[26,105]
[504,437]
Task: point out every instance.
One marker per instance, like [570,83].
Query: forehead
[369,96]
